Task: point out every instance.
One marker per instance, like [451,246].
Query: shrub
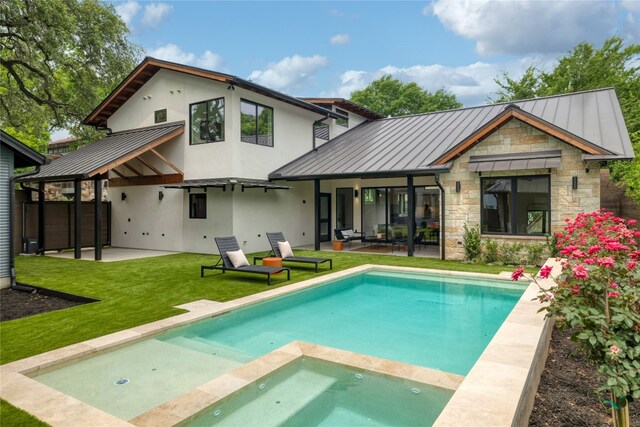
[471,241]
[510,253]
[490,251]
[599,297]
[535,253]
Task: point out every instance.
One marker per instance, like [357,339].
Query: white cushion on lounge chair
[285,249]
[237,258]
[347,233]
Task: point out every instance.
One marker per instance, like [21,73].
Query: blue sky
[319,48]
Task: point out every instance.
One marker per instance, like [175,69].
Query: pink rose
[545,271]
[517,273]
[614,294]
[606,261]
[614,349]
[575,290]
[580,272]
[631,265]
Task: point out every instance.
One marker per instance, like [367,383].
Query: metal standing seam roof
[413,143]
[517,161]
[86,161]
[23,154]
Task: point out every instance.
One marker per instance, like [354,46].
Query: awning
[107,154]
[231,183]
[516,161]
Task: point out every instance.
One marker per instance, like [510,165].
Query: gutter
[12,201]
[442,217]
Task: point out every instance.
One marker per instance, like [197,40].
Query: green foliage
[552,246]
[535,253]
[585,68]
[14,417]
[390,97]
[490,251]
[511,253]
[471,242]
[59,59]
[598,297]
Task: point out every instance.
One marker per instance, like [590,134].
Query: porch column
[411,226]
[316,207]
[97,190]
[40,218]
[77,201]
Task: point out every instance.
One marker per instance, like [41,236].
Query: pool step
[279,403]
[211,348]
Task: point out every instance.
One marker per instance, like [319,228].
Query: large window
[516,205]
[344,207]
[207,121]
[198,205]
[256,123]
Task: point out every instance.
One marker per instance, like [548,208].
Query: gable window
[207,121]
[342,122]
[256,123]
[198,205]
[516,205]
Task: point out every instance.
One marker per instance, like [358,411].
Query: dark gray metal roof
[23,155]
[230,182]
[411,144]
[515,161]
[87,161]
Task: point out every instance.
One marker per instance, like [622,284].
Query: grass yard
[140,291]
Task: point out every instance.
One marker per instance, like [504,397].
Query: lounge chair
[347,235]
[228,244]
[274,238]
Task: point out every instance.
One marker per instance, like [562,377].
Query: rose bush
[598,296]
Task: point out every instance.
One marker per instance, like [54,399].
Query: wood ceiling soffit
[148,147]
[114,170]
[174,178]
[503,118]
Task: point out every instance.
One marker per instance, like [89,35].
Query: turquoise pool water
[433,321]
[440,322]
[314,393]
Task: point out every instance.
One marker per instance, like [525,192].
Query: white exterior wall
[143,221]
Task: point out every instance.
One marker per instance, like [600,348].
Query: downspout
[12,202]
[313,131]
[442,216]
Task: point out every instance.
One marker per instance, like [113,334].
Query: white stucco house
[193,154]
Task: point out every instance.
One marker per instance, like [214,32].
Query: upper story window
[518,205]
[206,121]
[160,116]
[256,123]
[342,122]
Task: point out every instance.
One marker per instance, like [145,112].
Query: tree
[585,68]
[390,97]
[58,60]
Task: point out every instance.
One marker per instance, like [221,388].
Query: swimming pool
[442,322]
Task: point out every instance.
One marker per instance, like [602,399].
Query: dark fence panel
[59,227]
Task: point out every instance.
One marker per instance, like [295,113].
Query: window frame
[338,121]
[514,203]
[192,211]
[257,134]
[224,118]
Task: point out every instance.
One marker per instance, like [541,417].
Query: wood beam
[164,159]
[132,169]
[175,178]
[149,165]
[118,173]
[136,153]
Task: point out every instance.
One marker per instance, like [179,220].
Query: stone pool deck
[499,390]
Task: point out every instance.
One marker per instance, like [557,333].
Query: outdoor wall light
[458,186]
[574,182]
[123,196]
[160,195]
[356,194]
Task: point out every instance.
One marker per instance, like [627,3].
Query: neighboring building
[196,154]
[59,147]
[13,154]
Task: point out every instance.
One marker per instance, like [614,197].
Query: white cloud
[128,11]
[173,53]
[472,84]
[289,74]
[155,13]
[526,26]
[340,39]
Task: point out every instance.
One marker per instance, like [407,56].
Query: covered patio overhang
[230,183]
[120,153]
[408,175]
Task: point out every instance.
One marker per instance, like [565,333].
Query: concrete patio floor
[111,254]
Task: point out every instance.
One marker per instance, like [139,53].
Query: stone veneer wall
[517,137]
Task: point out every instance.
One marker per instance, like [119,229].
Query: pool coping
[498,390]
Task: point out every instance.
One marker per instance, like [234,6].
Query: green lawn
[135,292]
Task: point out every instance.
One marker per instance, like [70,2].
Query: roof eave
[378,174]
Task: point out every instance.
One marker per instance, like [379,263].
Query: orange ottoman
[272,262]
